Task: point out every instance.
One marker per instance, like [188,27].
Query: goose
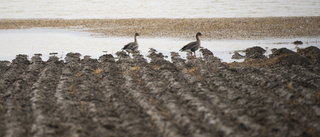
[132,46]
[192,46]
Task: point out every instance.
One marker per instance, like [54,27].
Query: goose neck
[198,39]
[135,39]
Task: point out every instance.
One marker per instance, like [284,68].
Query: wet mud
[129,96]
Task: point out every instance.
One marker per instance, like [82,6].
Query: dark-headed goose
[192,46]
[132,46]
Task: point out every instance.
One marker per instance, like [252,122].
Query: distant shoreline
[212,28]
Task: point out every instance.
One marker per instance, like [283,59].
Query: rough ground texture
[128,96]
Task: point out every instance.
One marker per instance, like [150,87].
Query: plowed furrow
[287,93]
[207,113]
[43,101]
[244,83]
[158,114]
[162,95]
[231,91]
[202,98]
[8,82]
[94,110]
[130,97]
[210,84]
[163,79]
[127,116]
[69,106]
[218,85]
[18,117]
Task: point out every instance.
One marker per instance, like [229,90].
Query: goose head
[198,34]
[136,34]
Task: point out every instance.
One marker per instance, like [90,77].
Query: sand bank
[212,28]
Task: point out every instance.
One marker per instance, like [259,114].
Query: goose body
[132,46]
[192,46]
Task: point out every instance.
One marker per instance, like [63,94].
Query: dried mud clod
[208,56]
[297,42]
[255,53]
[153,54]
[283,57]
[4,66]
[237,55]
[312,53]
[287,57]
[177,61]
[107,58]
[139,58]
[158,61]
[206,52]
[281,51]
[122,56]
[21,60]
[73,57]
[54,59]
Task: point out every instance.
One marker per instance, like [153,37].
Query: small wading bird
[192,46]
[132,46]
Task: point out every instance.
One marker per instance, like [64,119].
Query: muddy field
[211,28]
[128,96]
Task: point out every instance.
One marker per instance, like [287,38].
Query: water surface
[70,9]
[62,41]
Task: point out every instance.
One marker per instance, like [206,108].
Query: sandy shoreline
[212,28]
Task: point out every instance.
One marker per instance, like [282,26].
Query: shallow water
[62,41]
[70,9]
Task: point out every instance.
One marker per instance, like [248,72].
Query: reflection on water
[156,8]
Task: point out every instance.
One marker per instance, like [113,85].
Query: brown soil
[212,28]
[130,97]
